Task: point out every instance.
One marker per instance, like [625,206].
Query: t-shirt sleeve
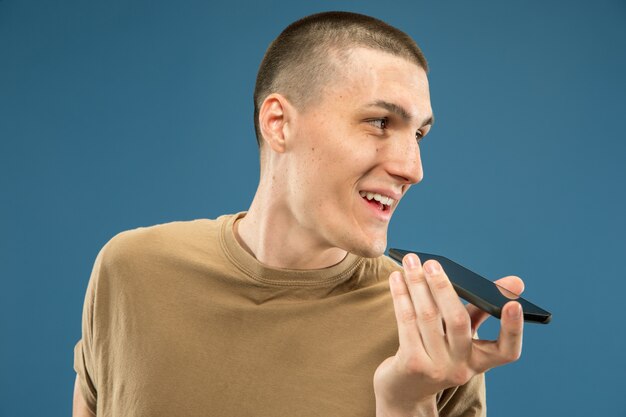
[467,400]
[84,359]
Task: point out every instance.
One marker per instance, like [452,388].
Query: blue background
[121,114]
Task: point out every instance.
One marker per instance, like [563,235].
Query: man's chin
[373,250]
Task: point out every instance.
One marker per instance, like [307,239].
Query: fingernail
[515,312]
[410,261]
[432,267]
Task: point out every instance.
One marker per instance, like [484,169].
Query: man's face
[358,138]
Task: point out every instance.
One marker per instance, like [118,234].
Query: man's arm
[80,408]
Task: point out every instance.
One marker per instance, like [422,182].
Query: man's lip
[389,193]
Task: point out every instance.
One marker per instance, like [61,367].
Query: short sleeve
[467,400]
[87,387]
[84,360]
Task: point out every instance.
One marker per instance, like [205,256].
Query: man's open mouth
[383,203]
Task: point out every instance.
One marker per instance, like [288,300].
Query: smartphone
[477,290]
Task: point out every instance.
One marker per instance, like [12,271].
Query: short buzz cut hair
[299,62]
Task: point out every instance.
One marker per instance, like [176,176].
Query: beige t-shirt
[180,320]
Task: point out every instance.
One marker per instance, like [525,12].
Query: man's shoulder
[174,238]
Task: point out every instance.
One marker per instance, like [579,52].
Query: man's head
[307,55]
[340,122]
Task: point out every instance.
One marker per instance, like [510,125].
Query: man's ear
[274,115]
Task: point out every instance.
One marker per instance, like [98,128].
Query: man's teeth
[380,198]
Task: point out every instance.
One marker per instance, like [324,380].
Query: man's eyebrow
[399,110]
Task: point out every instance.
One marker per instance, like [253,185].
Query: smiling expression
[355,152]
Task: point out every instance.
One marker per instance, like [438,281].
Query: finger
[508,347]
[429,321]
[456,319]
[406,318]
[478,316]
[512,283]
[511,331]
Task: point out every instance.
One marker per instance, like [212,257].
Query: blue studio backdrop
[120,114]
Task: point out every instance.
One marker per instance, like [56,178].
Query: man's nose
[405,161]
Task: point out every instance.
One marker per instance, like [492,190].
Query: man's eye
[419,135]
[379,123]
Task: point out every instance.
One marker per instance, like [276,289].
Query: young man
[291,308]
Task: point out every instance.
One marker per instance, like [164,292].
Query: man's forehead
[380,79]
[367,62]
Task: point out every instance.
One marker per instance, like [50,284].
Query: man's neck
[275,239]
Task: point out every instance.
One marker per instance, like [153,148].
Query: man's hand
[437,349]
